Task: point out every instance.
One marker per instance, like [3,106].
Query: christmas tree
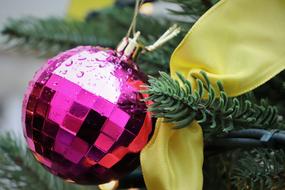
[243,135]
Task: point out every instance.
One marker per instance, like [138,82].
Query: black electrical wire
[242,139]
[248,138]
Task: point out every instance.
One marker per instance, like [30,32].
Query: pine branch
[179,103]
[106,28]
[20,171]
[50,36]
[255,169]
[260,169]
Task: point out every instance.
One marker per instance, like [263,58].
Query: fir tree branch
[179,103]
[259,169]
[20,171]
[255,169]
[50,36]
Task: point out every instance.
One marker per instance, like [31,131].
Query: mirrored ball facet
[83,115]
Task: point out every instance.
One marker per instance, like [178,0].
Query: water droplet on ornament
[80,74]
[68,64]
[101,65]
[63,72]
[58,64]
[82,59]
[130,71]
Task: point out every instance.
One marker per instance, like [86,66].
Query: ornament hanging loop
[129,45]
[168,35]
[130,48]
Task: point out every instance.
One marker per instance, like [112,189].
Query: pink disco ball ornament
[83,115]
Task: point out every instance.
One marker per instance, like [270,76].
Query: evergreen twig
[259,169]
[179,103]
[20,171]
[254,169]
[50,36]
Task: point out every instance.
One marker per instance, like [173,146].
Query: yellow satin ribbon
[241,43]
[78,9]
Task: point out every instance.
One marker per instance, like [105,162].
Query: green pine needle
[260,169]
[178,103]
[19,170]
